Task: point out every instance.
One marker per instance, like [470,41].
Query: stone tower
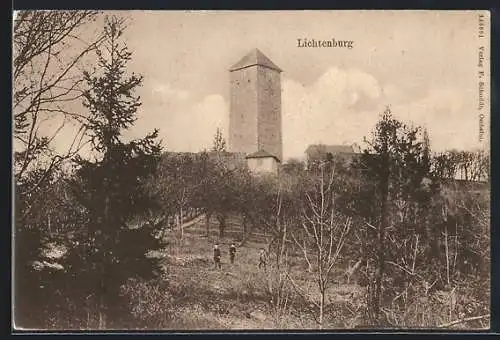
[255,106]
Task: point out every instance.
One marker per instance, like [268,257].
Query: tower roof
[255,57]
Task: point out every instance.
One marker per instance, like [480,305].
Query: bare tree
[480,166]
[321,238]
[48,52]
[277,275]
[465,165]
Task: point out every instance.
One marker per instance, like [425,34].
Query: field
[236,296]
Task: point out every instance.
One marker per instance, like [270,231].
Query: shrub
[150,304]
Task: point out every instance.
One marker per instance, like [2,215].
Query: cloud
[194,129]
[186,122]
[332,110]
[166,91]
[343,106]
[447,115]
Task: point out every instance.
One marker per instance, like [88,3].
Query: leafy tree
[394,166]
[111,186]
[423,221]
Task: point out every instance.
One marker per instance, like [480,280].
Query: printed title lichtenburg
[305,42]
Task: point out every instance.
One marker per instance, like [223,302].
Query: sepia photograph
[251,170]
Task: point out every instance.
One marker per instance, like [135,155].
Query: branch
[340,244]
[312,205]
[404,269]
[303,248]
[371,226]
[464,320]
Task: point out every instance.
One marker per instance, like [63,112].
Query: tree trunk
[181,219]
[384,189]
[321,307]
[222,225]
[247,219]
[102,315]
[102,292]
[447,253]
[245,227]
[207,223]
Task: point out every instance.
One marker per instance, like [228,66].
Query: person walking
[232,252]
[217,256]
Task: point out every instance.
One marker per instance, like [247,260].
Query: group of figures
[232,255]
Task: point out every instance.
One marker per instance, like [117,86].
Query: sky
[423,64]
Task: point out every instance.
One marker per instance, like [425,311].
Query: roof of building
[261,154]
[255,57]
[334,149]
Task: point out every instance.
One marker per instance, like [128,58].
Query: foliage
[219,144]
[393,167]
[111,187]
[294,166]
[422,222]
[151,304]
[465,165]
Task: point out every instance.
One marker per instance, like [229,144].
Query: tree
[321,237]
[175,184]
[394,166]
[465,165]
[480,169]
[225,193]
[294,166]
[111,186]
[280,195]
[443,166]
[47,82]
[219,143]
[46,86]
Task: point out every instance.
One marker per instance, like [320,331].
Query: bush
[150,304]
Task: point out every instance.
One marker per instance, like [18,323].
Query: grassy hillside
[236,296]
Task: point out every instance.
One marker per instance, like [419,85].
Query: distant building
[255,109]
[262,162]
[231,160]
[321,152]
